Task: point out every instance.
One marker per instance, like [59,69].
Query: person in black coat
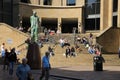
[6,62]
[12,60]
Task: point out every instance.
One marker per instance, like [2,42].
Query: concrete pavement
[72,73]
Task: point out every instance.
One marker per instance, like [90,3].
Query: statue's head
[34,13]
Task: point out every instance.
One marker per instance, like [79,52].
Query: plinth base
[34,56]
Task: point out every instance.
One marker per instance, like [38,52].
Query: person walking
[23,70]
[12,60]
[45,66]
[3,50]
[3,53]
[6,61]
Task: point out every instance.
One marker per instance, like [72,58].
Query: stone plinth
[34,56]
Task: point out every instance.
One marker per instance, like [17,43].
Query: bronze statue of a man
[34,20]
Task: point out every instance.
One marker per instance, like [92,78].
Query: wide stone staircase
[15,38]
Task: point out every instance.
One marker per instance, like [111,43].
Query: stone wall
[110,40]
[12,37]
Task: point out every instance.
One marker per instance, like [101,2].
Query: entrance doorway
[68,24]
[25,23]
[49,23]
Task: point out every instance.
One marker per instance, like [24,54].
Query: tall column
[118,14]
[64,2]
[110,13]
[101,14]
[106,14]
[41,2]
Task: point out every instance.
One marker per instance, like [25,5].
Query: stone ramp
[11,36]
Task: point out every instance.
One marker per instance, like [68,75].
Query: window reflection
[71,2]
[92,7]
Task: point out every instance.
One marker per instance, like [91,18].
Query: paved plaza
[73,73]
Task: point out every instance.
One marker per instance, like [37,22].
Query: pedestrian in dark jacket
[6,61]
[12,60]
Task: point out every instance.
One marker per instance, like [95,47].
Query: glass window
[91,1]
[1,10]
[115,5]
[92,7]
[47,2]
[7,11]
[115,21]
[7,4]
[92,24]
[97,8]
[7,19]
[1,6]
[71,2]
[0,17]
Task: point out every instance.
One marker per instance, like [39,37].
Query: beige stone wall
[11,37]
[57,3]
[34,1]
[106,14]
[110,40]
[59,12]
[118,14]
[80,2]
[53,12]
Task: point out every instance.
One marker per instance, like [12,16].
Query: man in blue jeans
[45,66]
[12,58]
